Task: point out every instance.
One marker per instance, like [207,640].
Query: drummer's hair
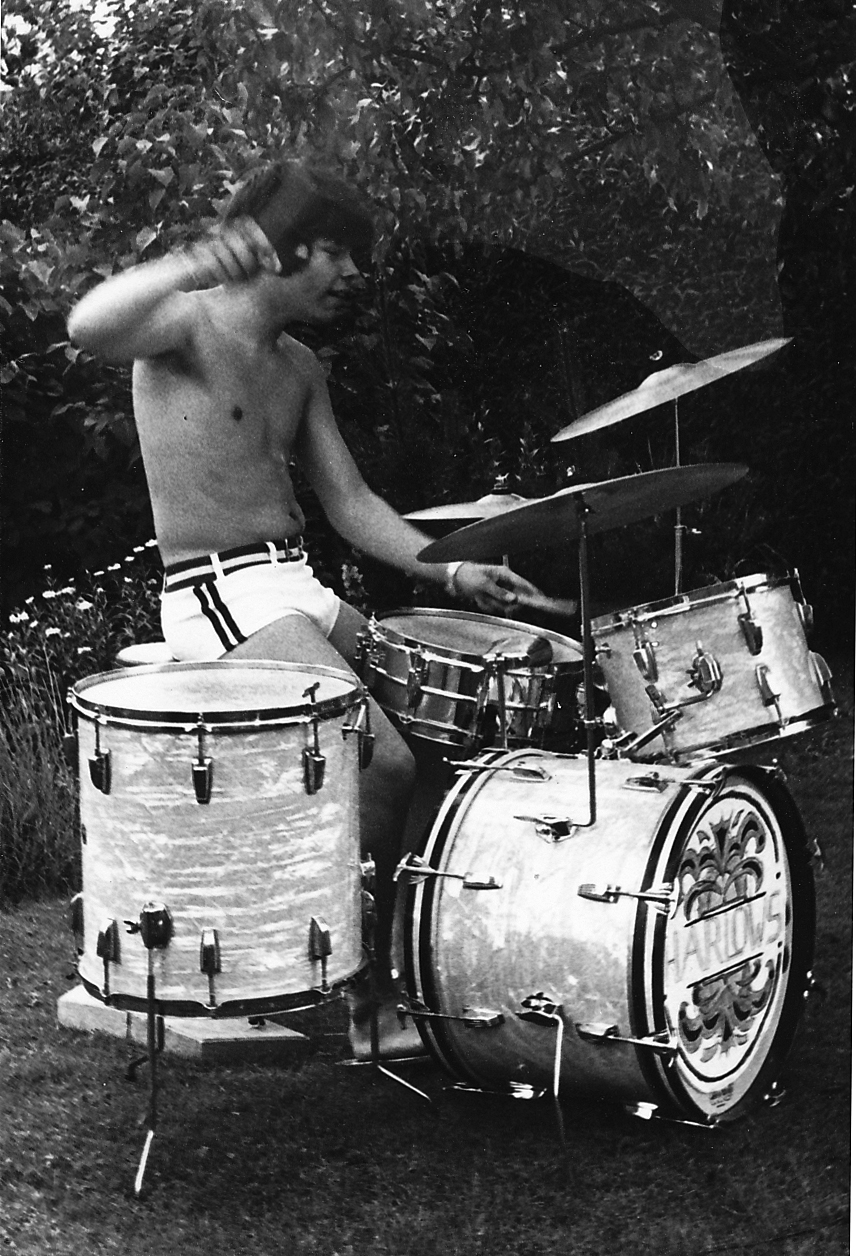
[305,203]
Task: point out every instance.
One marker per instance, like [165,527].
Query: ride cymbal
[668,385]
[555,521]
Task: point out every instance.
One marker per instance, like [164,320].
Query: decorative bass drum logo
[728,944]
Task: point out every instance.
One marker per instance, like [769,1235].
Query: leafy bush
[57,637]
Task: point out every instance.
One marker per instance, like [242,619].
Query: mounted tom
[714,670]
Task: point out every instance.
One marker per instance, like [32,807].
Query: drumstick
[549,605]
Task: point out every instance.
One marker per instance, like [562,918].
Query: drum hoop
[229,721]
[681,603]
[430,612]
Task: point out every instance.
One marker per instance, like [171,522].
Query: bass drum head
[725,974]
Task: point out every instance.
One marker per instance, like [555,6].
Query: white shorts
[211,604]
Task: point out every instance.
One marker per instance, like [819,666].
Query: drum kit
[615,905]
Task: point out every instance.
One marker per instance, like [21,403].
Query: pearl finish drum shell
[708,619]
[256,863]
[454,648]
[622,963]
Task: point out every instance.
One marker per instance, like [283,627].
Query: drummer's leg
[386,786]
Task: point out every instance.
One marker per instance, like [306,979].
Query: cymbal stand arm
[588,655]
[680,530]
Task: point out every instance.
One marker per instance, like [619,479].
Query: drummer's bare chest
[231,399]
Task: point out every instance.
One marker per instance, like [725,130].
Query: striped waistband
[192,571]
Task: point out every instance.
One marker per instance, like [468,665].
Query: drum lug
[365,737]
[418,869]
[209,960]
[203,775]
[650,783]
[69,749]
[320,947]
[823,676]
[768,697]
[202,770]
[663,1043]
[662,897]
[314,762]
[416,674]
[645,658]
[552,828]
[107,949]
[154,925]
[99,764]
[752,632]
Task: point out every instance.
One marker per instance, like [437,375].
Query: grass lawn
[310,1157]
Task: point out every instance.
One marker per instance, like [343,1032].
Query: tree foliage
[600,133]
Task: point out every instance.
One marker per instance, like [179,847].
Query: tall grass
[57,637]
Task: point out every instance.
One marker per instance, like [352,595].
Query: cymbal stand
[680,529]
[588,652]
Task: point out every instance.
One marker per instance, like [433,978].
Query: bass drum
[658,957]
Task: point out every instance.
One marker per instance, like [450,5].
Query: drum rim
[679,603]
[238,718]
[475,616]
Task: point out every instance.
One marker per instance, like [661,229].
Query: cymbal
[668,385]
[467,512]
[551,522]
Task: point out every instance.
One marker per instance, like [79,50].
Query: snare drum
[445,676]
[227,793]
[659,958]
[713,670]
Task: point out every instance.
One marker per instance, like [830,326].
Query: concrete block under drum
[198,1037]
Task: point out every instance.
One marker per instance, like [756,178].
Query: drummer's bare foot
[398,1037]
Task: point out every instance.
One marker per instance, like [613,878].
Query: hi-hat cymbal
[668,385]
[467,512]
[555,521]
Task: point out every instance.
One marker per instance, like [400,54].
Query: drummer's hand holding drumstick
[497,590]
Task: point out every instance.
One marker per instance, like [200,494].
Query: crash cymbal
[555,521]
[668,385]
[467,512]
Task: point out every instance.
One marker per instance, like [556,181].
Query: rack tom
[714,670]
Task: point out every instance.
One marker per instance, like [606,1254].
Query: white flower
[98,573]
[69,588]
[149,544]
[49,594]
[53,632]
[115,567]
[82,605]
[84,649]
[21,618]
[138,549]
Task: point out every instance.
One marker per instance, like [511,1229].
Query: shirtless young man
[223,399]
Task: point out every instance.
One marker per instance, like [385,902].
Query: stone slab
[200,1038]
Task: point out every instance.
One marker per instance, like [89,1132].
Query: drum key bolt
[768,696]
[202,769]
[314,762]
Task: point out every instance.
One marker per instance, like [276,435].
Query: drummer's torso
[216,436]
